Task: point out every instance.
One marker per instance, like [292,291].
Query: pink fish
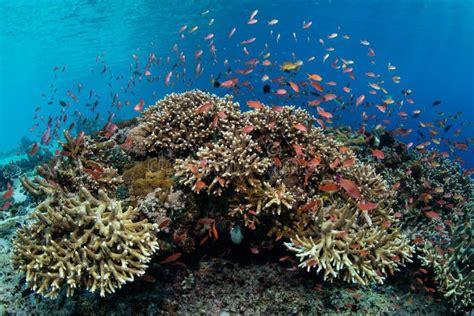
[360,99]
[250,40]
[307,25]
[139,106]
[167,78]
[208,37]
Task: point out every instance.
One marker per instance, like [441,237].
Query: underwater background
[91,66]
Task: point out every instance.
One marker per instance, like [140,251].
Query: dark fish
[216,84]
[448,127]
[266,89]
[63,103]
[436,102]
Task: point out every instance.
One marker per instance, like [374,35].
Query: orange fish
[323,113]
[315,77]
[294,86]
[351,188]
[367,206]
[199,186]
[378,154]
[255,104]
[300,127]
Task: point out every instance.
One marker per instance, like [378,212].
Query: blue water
[430,42]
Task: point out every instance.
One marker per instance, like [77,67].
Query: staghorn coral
[221,164]
[453,263]
[83,241]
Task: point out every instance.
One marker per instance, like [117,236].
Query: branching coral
[453,263]
[83,241]
[181,123]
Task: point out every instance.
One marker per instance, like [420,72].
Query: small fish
[204,107]
[378,154]
[171,258]
[367,206]
[307,25]
[350,187]
[300,127]
[247,129]
[232,32]
[229,83]
[360,99]
[330,187]
[139,106]
[294,86]
[273,22]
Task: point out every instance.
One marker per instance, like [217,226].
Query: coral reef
[83,241]
[214,181]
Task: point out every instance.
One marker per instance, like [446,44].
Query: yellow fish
[291,66]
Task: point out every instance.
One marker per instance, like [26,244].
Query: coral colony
[195,172]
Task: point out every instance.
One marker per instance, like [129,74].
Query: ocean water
[398,66]
[430,43]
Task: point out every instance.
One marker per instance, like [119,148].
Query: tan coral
[83,241]
[176,124]
[221,164]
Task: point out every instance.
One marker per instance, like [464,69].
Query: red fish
[329,96]
[248,129]
[300,127]
[378,154]
[34,149]
[171,258]
[351,188]
[330,187]
[229,83]
[432,214]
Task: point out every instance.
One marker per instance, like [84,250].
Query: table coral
[83,241]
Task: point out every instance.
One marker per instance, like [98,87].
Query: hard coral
[83,241]
[181,123]
[273,162]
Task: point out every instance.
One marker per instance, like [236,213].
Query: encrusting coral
[83,241]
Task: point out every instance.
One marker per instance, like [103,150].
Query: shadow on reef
[198,202]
